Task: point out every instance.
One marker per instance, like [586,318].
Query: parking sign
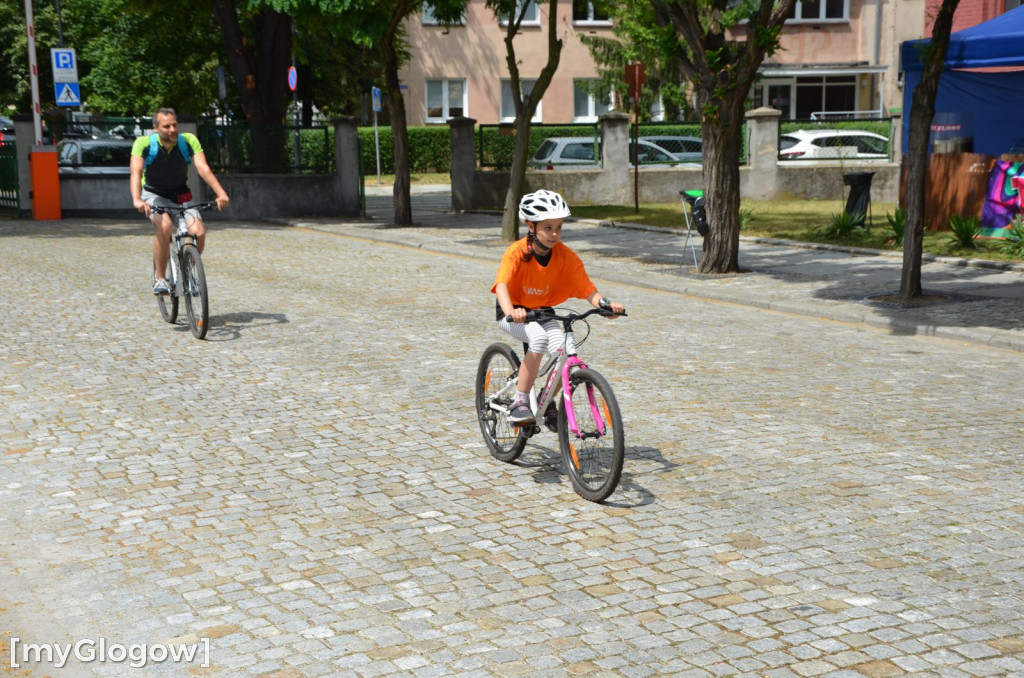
[65,64]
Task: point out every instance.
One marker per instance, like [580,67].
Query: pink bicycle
[586,417]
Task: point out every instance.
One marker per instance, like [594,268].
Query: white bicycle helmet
[542,205]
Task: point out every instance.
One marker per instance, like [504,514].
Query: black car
[6,131]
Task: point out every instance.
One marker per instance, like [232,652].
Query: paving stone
[308,488]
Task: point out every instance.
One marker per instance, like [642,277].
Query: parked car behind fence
[106,155]
[584,152]
[832,144]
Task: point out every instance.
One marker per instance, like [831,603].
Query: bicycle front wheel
[593,456]
[197,304]
[496,378]
[168,303]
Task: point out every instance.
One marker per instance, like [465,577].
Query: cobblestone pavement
[308,489]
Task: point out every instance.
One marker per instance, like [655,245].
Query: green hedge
[429,150]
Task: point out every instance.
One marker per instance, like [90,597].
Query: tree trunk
[525,109]
[922,110]
[399,137]
[721,176]
[259,67]
[516,182]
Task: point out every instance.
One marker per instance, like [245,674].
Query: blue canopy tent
[987,105]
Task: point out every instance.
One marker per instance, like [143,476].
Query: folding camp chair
[689,199]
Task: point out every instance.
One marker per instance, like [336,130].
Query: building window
[586,105]
[584,12]
[508,106]
[446,99]
[836,94]
[820,10]
[428,18]
[530,18]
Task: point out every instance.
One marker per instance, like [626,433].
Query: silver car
[584,153]
[108,155]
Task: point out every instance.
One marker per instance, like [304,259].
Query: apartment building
[462,70]
[837,58]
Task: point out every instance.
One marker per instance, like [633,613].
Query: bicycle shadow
[547,467]
[230,326]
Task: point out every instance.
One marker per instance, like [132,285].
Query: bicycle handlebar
[571,316]
[200,206]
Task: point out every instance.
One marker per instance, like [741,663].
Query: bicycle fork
[573,362]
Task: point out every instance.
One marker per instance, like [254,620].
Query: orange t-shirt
[531,285]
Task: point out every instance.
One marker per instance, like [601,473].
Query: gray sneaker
[520,413]
[160,287]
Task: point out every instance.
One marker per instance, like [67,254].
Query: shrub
[1014,245]
[746,216]
[963,231]
[844,226]
[897,225]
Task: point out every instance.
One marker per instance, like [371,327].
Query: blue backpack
[154,141]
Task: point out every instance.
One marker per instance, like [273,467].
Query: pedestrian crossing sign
[68,94]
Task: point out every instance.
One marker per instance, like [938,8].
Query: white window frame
[592,113]
[590,20]
[526,85]
[820,19]
[532,17]
[446,105]
[428,19]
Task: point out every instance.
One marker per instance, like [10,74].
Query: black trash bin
[859,201]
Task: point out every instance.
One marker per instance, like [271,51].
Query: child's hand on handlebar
[518,315]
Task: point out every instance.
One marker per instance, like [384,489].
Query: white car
[832,144]
[584,153]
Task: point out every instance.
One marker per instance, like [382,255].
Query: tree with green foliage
[380,26]
[922,111]
[697,36]
[511,13]
[634,26]
[124,65]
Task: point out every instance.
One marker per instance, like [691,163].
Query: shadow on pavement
[98,228]
[230,326]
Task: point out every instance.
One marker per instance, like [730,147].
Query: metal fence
[496,143]
[10,191]
[299,150]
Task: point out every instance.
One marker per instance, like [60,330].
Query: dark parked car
[108,155]
[6,131]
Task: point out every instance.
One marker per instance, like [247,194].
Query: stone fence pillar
[616,185]
[346,163]
[763,145]
[463,162]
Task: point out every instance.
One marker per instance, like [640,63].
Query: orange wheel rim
[575,458]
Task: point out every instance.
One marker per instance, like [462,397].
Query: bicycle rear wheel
[197,304]
[168,303]
[495,389]
[594,457]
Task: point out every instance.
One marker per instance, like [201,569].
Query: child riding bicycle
[539,271]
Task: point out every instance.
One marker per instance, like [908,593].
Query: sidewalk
[966,300]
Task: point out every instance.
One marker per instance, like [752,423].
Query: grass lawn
[801,220]
[785,219]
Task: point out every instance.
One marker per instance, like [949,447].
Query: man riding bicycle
[159,178]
